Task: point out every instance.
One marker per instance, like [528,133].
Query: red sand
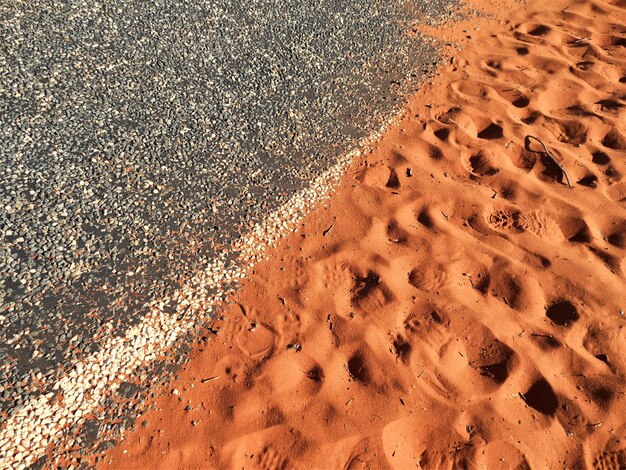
[455,304]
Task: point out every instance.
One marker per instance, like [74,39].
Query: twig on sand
[556,162]
[541,335]
[210,379]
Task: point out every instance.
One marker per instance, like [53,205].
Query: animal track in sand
[575,230]
[369,293]
[508,287]
[500,281]
[435,153]
[514,96]
[594,73]
[482,164]
[585,65]
[521,157]
[395,233]
[257,450]
[562,313]
[617,41]
[602,396]
[494,64]
[501,454]
[614,140]
[602,357]
[426,320]
[591,181]
[492,132]
[600,158]
[572,132]
[481,281]
[471,89]
[609,105]
[442,134]
[616,236]
[393,181]
[408,443]
[430,277]
[381,177]
[489,356]
[315,374]
[538,30]
[424,217]
[617,192]
[270,459]
[580,111]
[357,368]
[401,348]
[613,263]
[334,273]
[541,397]
[363,456]
[532,117]
[521,101]
[256,340]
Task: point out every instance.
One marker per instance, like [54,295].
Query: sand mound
[456,304]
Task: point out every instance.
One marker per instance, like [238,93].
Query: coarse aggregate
[142,147]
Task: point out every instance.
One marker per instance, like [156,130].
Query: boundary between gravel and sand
[41,426]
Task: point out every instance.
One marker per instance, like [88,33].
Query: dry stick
[569,183]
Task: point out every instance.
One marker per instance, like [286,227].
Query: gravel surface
[139,139]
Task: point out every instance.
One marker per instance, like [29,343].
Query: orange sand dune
[456,304]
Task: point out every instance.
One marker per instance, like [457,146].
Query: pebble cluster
[140,140]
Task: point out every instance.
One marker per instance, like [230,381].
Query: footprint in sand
[366,369]
[380,177]
[362,462]
[501,455]
[536,222]
[490,357]
[479,365]
[256,340]
[410,443]
[254,450]
[613,455]
[514,96]
[503,282]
